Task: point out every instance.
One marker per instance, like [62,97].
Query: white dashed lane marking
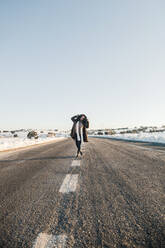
[50,241]
[69,184]
[58,241]
[75,163]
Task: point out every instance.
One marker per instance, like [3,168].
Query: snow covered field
[158,137]
[7,141]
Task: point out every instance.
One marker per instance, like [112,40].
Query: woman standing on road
[78,132]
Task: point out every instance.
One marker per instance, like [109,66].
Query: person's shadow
[38,159]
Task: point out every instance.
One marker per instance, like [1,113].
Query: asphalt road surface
[113,196]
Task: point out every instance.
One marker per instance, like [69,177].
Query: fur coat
[73,130]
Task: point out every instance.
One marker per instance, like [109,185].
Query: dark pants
[78,144]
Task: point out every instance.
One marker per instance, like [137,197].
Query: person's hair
[85,122]
[79,117]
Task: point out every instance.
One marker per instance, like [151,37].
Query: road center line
[75,163]
[69,184]
[50,241]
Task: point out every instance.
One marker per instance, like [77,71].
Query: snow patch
[157,137]
[8,141]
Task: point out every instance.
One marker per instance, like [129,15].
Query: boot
[77,154]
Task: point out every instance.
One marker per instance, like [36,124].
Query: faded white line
[21,161]
[75,163]
[69,184]
[50,241]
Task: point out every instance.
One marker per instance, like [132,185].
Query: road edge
[13,150]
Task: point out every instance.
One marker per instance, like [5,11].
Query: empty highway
[113,196]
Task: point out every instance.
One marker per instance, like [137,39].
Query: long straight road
[114,196]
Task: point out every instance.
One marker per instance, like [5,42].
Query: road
[114,196]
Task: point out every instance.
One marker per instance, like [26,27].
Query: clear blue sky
[105,58]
